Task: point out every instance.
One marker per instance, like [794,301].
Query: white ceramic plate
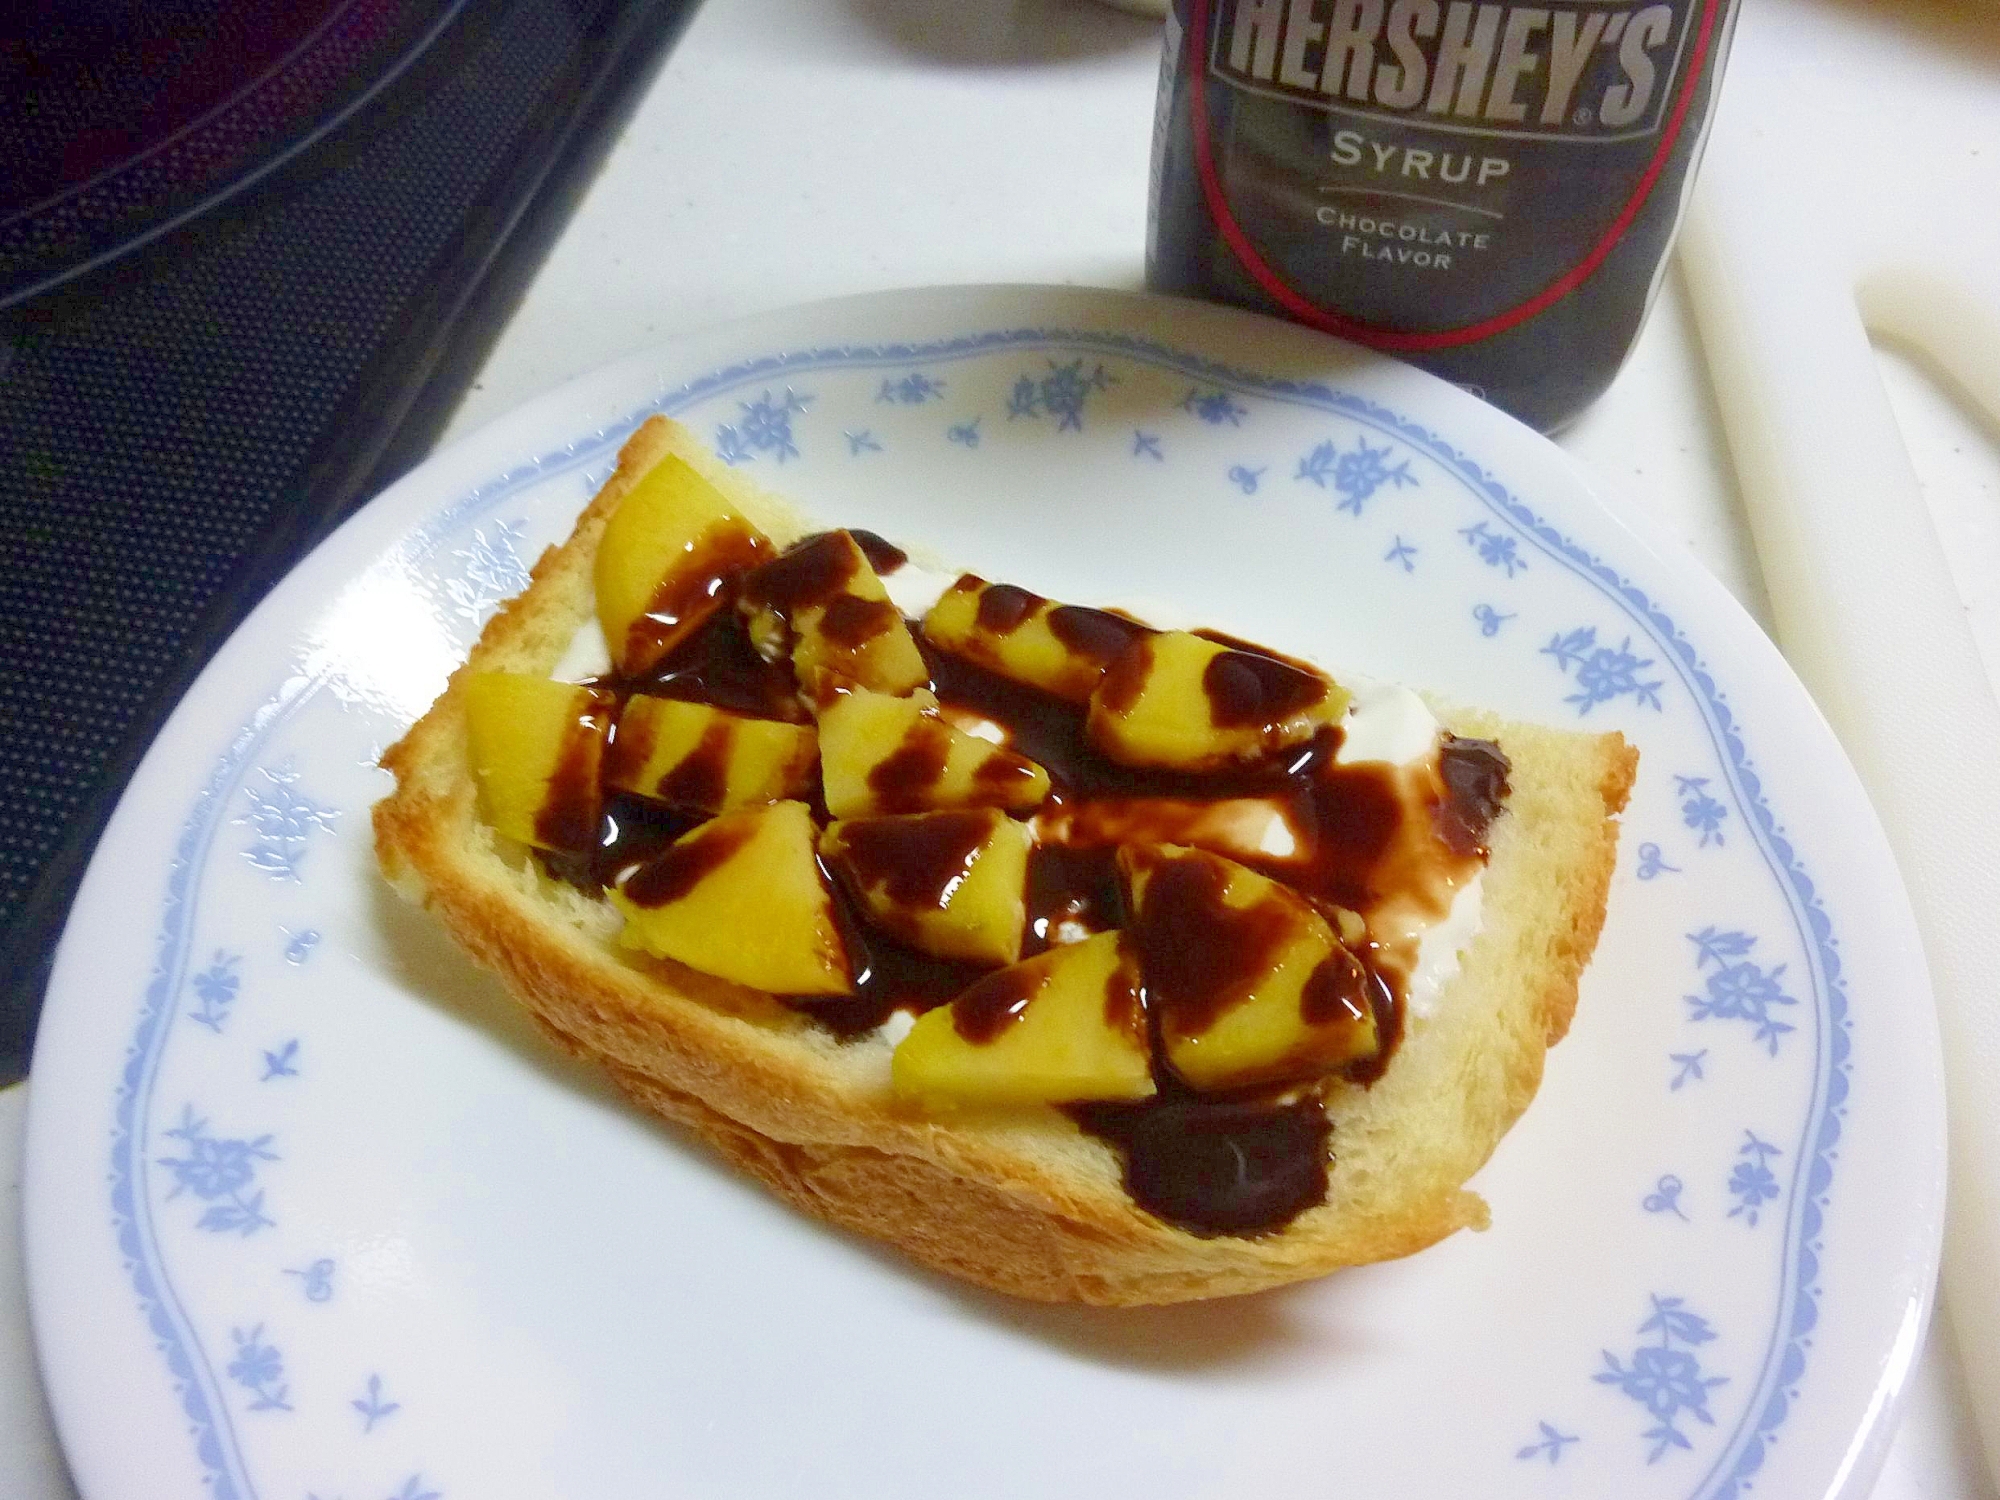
[313,1212]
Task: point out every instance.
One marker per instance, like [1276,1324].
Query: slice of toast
[1021,1201]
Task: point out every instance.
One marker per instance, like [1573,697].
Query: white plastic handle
[1868,615]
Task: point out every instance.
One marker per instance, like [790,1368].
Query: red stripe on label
[1371,334]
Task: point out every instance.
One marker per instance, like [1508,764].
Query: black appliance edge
[391,417]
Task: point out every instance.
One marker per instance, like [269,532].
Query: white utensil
[1868,615]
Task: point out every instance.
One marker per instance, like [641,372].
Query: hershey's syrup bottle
[1486,190]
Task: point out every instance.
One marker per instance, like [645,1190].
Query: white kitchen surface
[798,149]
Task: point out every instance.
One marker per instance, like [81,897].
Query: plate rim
[393,523]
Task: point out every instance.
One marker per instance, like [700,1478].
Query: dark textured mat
[179,422]
[126,117]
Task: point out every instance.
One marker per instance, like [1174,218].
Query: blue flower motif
[763,426]
[259,1368]
[215,987]
[1551,1445]
[965,434]
[1753,1183]
[1489,619]
[214,1169]
[315,1280]
[299,945]
[913,389]
[372,1407]
[1688,1065]
[1742,992]
[767,424]
[221,1173]
[1245,478]
[1699,810]
[1214,407]
[1665,1379]
[216,984]
[1714,946]
[493,569]
[1147,445]
[284,820]
[1602,672]
[281,1063]
[413,1489]
[1737,989]
[1652,863]
[1496,549]
[1060,394]
[1402,552]
[1671,1320]
[1354,476]
[861,442]
[1665,1197]
[255,1363]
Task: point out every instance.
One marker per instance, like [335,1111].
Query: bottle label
[1449,168]
[1532,72]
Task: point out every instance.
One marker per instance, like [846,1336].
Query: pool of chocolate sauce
[1244,1161]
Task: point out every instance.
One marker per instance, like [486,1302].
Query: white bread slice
[1022,1202]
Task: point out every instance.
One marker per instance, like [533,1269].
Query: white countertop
[794,150]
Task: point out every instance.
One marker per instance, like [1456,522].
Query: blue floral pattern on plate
[1355,475]
[1665,1375]
[1714,1388]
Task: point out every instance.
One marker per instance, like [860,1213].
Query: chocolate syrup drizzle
[1242,1161]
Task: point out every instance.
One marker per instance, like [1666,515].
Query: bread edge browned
[1021,1203]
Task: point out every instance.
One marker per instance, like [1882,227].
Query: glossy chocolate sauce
[1072,891]
[678,869]
[1093,633]
[568,816]
[1094,638]
[983,1013]
[902,780]
[1004,609]
[1340,988]
[1247,1161]
[717,664]
[1244,1161]
[1245,690]
[1125,677]
[1347,817]
[915,861]
[851,622]
[1199,954]
[810,573]
[1475,783]
[884,556]
[699,780]
[889,974]
[986,1010]
[1219,1164]
[630,831]
[691,593]
[1051,732]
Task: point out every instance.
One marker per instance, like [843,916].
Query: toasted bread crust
[1024,1202]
